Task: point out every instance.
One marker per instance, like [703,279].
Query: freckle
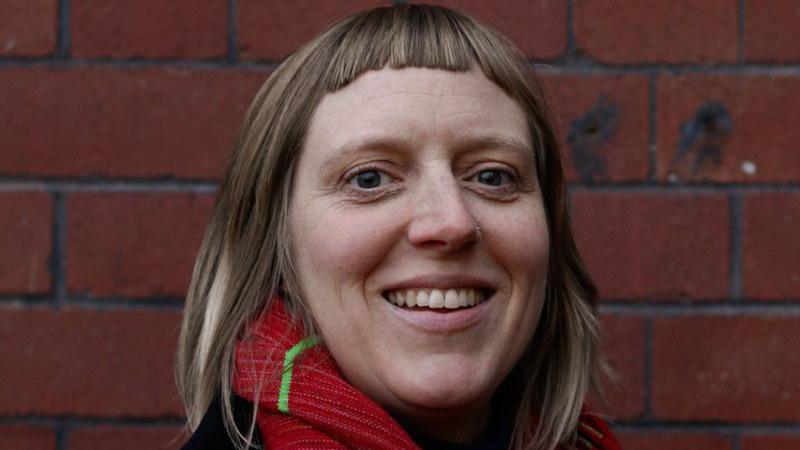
[749,167]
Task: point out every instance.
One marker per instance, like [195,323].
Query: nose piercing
[477,228]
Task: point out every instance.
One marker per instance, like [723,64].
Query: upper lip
[441,281]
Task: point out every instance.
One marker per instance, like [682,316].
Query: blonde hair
[246,256]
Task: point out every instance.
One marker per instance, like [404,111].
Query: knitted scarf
[304,402]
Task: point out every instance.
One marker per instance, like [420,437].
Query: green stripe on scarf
[288,365]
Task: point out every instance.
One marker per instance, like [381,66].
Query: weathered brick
[771,246]
[603,125]
[126,438]
[771,31]
[657,31]
[623,343]
[726,368]
[88,362]
[121,122]
[770,442]
[272,30]
[27,437]
[26,221]
[134,245]
[655,440]
[728,128]
[27,27]
[149,28]
[647,245]
[537,27]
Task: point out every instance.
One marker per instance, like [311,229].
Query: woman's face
[420,183]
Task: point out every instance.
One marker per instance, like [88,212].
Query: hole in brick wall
[587,134]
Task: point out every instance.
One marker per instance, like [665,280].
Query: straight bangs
[416,36]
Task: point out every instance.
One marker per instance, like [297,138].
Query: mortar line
[736,441]
[720,427]
[61,435]
[94,185]
[571,52]
[740,31]
[731,308]
[736,251]
[63,32]
[572,65]
[233,32]
[648,367]
[59,267]
[653,128]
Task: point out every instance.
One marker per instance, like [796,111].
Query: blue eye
[493,177]
[368,179]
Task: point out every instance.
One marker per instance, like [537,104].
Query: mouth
[438,299]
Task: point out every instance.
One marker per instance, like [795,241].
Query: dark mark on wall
[587,134]
[704,136]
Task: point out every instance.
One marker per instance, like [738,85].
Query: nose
[442,219]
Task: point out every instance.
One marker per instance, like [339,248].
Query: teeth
[451,299]
[462,297]
[422,298]
[411,298]
[437,298]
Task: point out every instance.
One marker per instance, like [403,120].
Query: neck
[459,428]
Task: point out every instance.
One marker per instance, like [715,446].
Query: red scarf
[306,403]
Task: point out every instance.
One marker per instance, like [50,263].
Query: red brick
[774,442]
[726,368]
[134,245]
[272,30]
[655,440]
[603,125]
[623,344]
[746,126]
[657,31]
[662,246]
[88,363]
[127,438]
[27,437]
[27,27]
[121,122]
[149,28]
[771,246]
[25,242]
[538,27]
[771,31]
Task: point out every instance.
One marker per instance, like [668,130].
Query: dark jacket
[211,434]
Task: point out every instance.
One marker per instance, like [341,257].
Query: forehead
[424,105]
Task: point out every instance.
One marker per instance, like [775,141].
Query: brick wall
[680,127]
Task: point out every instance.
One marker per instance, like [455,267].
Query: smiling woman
[391,225]
[389,263]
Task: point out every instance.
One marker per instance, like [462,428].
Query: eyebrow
[396,145]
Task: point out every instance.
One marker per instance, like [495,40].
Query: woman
[389,262]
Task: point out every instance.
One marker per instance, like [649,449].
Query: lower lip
[441,320]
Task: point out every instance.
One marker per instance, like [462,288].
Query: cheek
[521,242]
[342,245]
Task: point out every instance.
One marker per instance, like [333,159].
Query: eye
[368,179]
[494,177]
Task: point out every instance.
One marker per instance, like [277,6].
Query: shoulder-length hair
[246,255]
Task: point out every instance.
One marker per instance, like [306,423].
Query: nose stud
[477,228]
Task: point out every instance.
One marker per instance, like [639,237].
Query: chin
[443,388]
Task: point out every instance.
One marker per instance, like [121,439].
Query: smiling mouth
[445,299]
